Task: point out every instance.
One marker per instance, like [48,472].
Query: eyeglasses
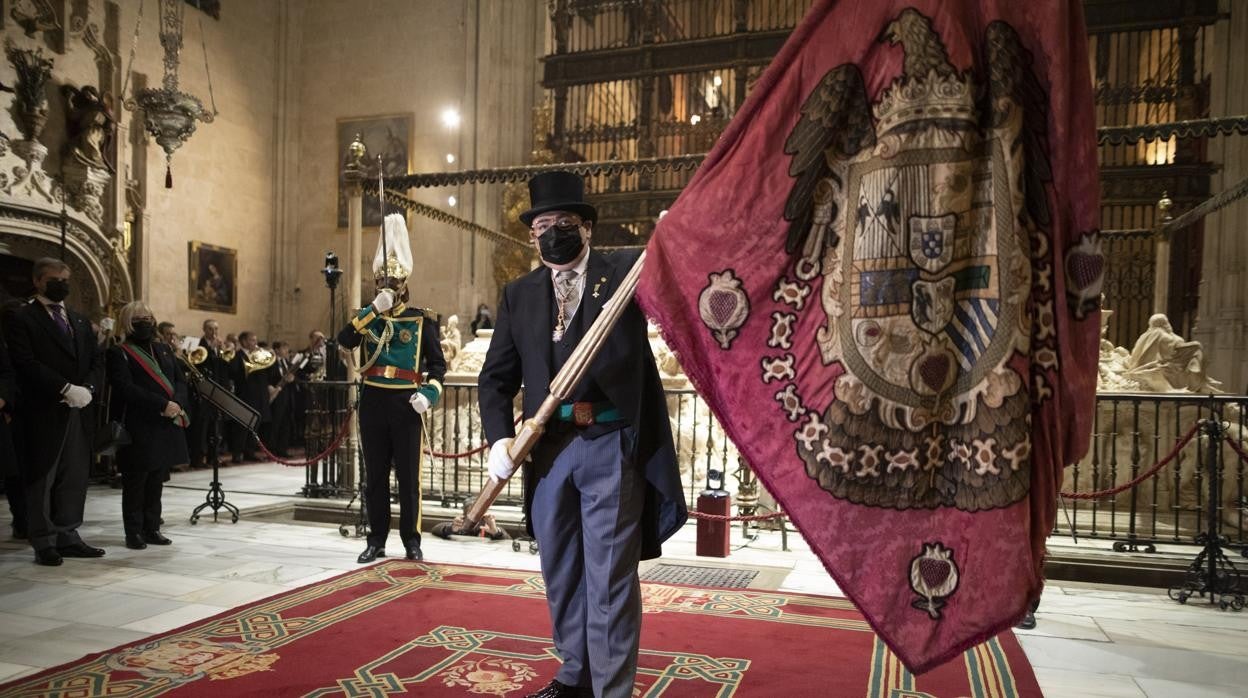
[562,221]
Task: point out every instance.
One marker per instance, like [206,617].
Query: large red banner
[885,281]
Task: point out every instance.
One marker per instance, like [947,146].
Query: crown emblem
[393,269]
[929,86]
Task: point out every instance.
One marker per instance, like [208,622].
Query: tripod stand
[216,495]
[220,401]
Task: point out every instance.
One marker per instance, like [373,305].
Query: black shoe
[135,542]
[554,689]
[154,538]
[237,459]
[80,549]
[48,556]
[1028,622]
[413,551]
[370,553]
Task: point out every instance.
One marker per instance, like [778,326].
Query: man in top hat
[602,489]
[397,342]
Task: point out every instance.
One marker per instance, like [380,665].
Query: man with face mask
[402,365]
[56,356]
[602,489]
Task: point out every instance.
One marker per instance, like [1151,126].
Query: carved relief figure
[451,341]
[90,121]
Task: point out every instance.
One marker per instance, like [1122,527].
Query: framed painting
[387,136]
[213,278]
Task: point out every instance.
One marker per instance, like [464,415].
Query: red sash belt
[393,372]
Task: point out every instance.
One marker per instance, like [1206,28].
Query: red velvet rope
[343,432]
[1174,452]
[1236,448]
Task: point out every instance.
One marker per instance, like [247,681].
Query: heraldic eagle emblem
[926,216]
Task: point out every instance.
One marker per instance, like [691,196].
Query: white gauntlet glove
[76,396]
[384,300]
[419,402]
[500,464]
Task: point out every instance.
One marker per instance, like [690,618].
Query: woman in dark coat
[148,392]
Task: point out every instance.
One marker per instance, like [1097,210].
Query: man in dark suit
[602,490]
[203,415]
[283,400]
[254,369]
[56,357]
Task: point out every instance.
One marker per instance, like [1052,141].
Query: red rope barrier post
[1212,573]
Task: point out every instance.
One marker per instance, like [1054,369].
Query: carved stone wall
[418,58]
[1222,321]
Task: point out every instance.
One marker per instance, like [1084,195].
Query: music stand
[222,401]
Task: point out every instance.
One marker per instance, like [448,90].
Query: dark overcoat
[8,393]
[46,360]
[157,442]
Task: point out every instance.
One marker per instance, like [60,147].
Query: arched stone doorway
[100,278]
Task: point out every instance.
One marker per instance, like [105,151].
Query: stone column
[354,177]
[1222,322]
[1161,259]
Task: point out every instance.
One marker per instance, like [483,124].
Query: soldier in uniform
[396,342]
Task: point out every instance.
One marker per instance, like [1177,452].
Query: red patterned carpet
[447,630]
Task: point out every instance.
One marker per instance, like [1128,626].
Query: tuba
[258,360]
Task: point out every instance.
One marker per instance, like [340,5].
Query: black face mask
[56,290]
[561,244]
[142,332]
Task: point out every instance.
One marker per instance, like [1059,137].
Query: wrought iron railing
[598,25]
[1131,432]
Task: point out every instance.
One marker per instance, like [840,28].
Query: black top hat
[558,191]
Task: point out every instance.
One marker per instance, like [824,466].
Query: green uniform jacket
[405,338]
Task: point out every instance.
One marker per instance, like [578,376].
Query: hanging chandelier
[169,115]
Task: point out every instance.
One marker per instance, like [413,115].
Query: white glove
[419,402]
[76,396]
[384,300]
[107,324]
[500,464]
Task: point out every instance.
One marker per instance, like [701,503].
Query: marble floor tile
[102,608]
[1160,688]
[267,572]
[1134,660]
[9,672]
[160,584]
[79,575]
[1066,626]
[64,644]
[17,625]
[175,618]
[232,593]
[1064,683]
[1155,634]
